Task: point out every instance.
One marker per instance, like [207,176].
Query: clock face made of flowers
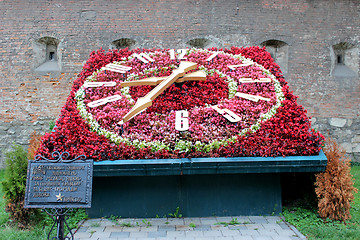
[178,100]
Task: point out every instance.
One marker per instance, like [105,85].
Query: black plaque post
[58,185]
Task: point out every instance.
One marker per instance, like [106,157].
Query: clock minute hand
[146,101]
[152,81]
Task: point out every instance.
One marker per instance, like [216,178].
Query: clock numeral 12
[181,53]
[181,120]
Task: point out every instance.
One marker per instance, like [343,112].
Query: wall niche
[47,55]
[124,43]
[344,60]
[279,51]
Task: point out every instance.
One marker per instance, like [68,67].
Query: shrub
[334,187]
[14,184]
[35,141]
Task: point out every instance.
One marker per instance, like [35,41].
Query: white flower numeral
[144,57]
[181,120]
[181,53]
[228,114]
[104,101]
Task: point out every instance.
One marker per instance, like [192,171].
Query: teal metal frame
[198,186]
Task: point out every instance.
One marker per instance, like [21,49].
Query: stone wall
[43,45]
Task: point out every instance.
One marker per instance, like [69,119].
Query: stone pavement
[209,228]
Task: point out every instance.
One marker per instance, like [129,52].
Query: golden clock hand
[152,81]
[146,101]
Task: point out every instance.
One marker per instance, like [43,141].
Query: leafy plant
[233,221]
[147,223]
[126,224]
[192,225]
[334,187]
[114,218]
[176,214]
[14,184]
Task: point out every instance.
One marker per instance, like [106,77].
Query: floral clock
[175,101]
[182,103]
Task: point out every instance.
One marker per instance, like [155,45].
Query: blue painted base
[195,195]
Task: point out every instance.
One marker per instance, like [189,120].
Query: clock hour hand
[146,101]
[152,81]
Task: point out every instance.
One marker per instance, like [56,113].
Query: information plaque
[59,183]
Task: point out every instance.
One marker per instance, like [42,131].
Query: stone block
[356,148]
[347,146]
[356,139]
[337,122]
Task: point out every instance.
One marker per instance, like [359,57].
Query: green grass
[39,230]
[308,222]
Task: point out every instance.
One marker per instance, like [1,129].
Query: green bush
[14,184]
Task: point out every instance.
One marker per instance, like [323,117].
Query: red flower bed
[286,132]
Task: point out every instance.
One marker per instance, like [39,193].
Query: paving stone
[249,232]
[254,226]
[186,238]
[119,235]
[196,221]
[229,233]
[106,223]
[268,232]
[210,221]
[176,234]
[95,229]
[258,219]
[166,228]
[157,234]
[165,238]
[203,228]
[218,227]
[238,227]
[82,229]
[212,234]
[149,229]
[90,222]
[101,235]
[176,221]
[138,235]
[262,238]
[283,238]
[224,219]
[131,229]
[194,234]
[285,232]
[115,228]
[271,226]
[157,221]
[82,235]
[182,228]
[273,219]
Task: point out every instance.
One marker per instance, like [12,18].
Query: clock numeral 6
[104,101]
[181,120]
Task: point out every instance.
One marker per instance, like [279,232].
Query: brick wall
[29,99]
